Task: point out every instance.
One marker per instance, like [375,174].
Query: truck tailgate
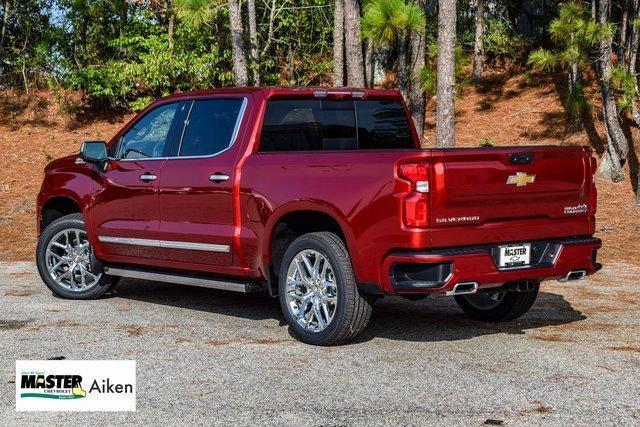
[511,194]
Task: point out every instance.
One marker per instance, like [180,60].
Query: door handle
[218,177]
[148,177]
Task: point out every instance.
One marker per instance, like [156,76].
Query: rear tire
[63,258]
[499,306]
[322,304]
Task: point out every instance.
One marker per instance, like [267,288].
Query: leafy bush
[625,83]
[152,70]
[502,43]
[487,142]
[575,104]
[429,73]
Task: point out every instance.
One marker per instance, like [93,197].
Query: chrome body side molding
[171,244]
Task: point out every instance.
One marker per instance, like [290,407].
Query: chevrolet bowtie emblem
[520,179]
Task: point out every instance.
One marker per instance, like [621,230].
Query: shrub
[487,142]
[502,43]
[429,73]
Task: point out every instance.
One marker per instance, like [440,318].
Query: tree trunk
[575,83]
[353,44]
[610,164]
[122,24]
[635,45]
[416,94]
[83,37]
[171,28]
[618,146]
[369,65]
[5,20]
[24,62]
[445,103]
[622,43]
[338,44]
[253,39]
[272,19]
[237,44]
[478,49]
[634,42]
[401,72]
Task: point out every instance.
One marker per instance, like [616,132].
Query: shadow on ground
[431,320]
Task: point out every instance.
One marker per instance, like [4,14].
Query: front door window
[148,137]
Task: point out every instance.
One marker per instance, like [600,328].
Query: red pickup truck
[322,197]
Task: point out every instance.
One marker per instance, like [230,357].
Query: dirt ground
[509,108]
[208,357]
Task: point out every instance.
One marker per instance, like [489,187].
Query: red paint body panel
[469,202]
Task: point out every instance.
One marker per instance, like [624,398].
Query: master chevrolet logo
[520,179]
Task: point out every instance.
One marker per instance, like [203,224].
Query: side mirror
[94,152]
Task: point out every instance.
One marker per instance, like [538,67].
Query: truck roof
[299,92]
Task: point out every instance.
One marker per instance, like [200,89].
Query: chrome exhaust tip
[463,288]
[574,275]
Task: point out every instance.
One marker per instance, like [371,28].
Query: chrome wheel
[68,260]
[485,300]
[311,290]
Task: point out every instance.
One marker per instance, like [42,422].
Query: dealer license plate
[515,255]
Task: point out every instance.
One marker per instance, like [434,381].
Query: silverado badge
[520,179]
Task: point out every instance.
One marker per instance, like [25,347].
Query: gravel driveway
[211,357]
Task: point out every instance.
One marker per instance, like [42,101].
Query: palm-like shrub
[388,24]
[575,36]
[385,22]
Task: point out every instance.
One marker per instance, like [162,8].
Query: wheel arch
[295,220]
[56,207]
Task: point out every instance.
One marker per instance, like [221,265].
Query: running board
[203,282]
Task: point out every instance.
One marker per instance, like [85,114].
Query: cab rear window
[320,125]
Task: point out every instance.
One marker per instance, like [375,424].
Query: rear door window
[210,127]
[317,125]
[383,124]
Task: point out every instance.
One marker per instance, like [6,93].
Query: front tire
[63,257]
[497,306]
[319,296]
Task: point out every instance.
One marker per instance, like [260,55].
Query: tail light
[415,203]
[593,193]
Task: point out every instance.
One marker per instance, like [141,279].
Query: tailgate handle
[521,158]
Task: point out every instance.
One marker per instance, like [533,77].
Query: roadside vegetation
[76,69]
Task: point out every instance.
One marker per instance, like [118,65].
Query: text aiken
[107,387]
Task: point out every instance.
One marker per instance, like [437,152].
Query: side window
[210,127]
[149,135]
[308,125]
[316,125]
[383,124]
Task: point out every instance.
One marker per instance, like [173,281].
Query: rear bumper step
[443,270]
[181,279]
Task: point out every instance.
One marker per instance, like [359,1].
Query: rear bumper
[440,270]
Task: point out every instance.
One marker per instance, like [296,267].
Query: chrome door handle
[218,177]
[148,177]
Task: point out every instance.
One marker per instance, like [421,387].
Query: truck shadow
[251,306]
[434,319]
[439,319]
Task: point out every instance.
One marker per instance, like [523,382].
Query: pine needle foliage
[575,36]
